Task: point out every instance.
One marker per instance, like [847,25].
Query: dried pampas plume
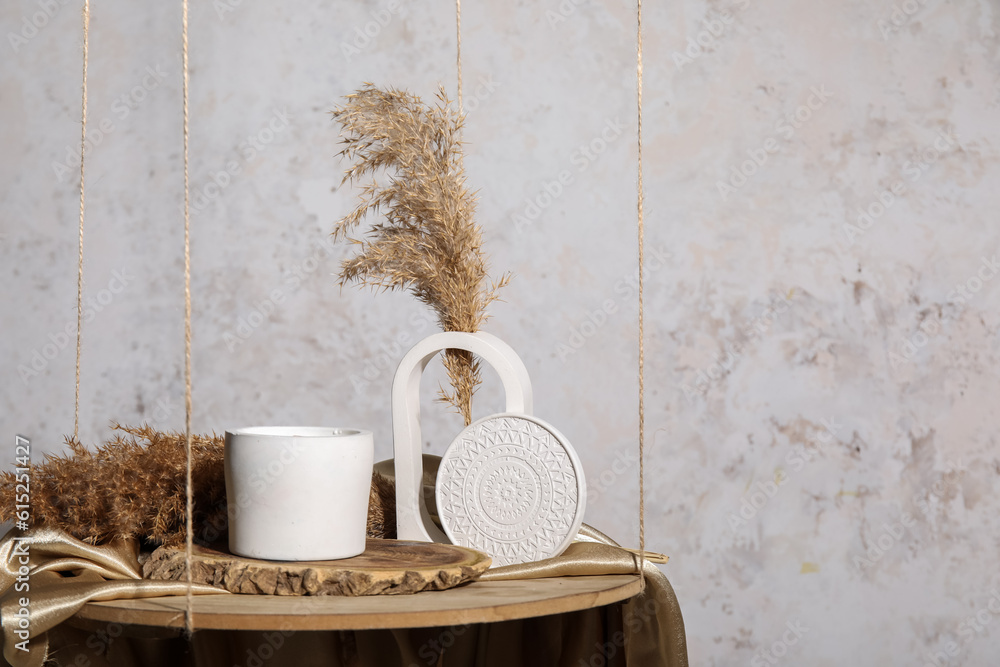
[132,486]
[426,240]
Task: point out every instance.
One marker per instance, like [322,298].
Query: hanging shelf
[478,602]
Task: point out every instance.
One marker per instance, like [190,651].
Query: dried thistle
[426,240]
[133,486]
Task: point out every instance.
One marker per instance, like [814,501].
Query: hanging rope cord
[641,242]
[642,264]
[189,506]
[79,259]
[188,615]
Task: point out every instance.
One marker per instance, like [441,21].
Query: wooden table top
[477,602]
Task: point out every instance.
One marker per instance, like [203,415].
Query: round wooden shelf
[478,602]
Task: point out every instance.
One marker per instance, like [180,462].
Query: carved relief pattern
[509,488]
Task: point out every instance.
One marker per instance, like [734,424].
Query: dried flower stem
[426,240]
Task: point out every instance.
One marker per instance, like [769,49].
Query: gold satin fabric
[63,575]
[646,631]
[653,626]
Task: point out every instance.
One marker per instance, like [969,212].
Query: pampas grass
[425,239]
[132,486]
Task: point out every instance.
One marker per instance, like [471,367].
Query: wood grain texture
[387,567]
[478,602]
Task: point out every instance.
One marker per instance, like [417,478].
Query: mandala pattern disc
[512,486]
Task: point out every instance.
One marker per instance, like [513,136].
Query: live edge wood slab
[387,567]
[474,602]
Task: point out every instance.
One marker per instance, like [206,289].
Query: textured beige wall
[821,383]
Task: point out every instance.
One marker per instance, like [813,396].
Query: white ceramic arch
[413,522]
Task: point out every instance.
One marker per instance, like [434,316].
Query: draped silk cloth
[654,628]
[65,574]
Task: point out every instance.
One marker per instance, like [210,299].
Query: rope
[458,57]
[189,511]
[79,261]
[642,350]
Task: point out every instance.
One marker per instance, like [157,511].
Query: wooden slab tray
[387,567]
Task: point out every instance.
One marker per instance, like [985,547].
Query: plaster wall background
[821,396]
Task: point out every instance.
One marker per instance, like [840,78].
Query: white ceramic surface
[511,485]
[298,493]
[413,521]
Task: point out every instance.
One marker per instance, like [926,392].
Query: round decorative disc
[512,486]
